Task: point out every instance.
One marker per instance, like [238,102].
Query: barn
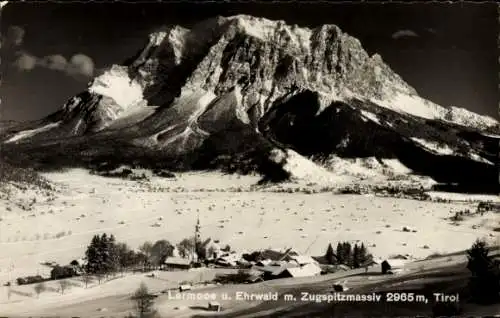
[177,263]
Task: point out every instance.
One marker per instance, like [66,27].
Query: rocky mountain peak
[266,57]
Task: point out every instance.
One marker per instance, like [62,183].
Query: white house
[306,270]
[302,260]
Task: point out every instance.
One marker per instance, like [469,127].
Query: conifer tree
[340,253]
[114,257]
[330,255]
[484,284]
[356,257]
[347,254]
[104,253]
[92,254]
[363,256]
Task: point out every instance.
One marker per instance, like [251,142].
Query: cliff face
[231,91]
[266,58]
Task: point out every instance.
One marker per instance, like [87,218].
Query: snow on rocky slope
[465,117]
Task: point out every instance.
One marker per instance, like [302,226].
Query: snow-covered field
[59,227]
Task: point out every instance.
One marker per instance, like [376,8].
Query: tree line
[105,255]
[347,254]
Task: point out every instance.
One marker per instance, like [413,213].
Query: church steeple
[197,237]
[197,229]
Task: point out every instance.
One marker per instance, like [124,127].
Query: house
[288,269]
[323,260]
[264,262]
[243,263]
[225,262]
[214,306]
[228,259]
[390,266]
[338,288]
[368,263]
[177,263]
[254,276]
[276,255]
[302,260]
[274,270]
[214,247]
[184,287]
[309,269]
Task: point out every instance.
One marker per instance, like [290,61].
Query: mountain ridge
[193,95]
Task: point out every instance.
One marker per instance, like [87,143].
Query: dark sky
[448,52]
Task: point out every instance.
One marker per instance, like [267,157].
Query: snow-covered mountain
[231,91]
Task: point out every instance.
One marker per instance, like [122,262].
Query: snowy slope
[29,133]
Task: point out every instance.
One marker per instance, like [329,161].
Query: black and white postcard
[249,159]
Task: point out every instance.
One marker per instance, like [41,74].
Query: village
[197,255]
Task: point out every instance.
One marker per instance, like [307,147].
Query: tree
[186,247]
[201,252]
[104,252]
[146,250]
[363,253]
[113,260]
[144,302]
[93,256]
[340,253]
[86,278]
[142,259]
[347,250]
[160,251]
[99,277]
[39,288]
[126,257]
[102,256]
[63,285]
[344,255]
[356,257]
[201,248]
[484,284]
[330,255]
